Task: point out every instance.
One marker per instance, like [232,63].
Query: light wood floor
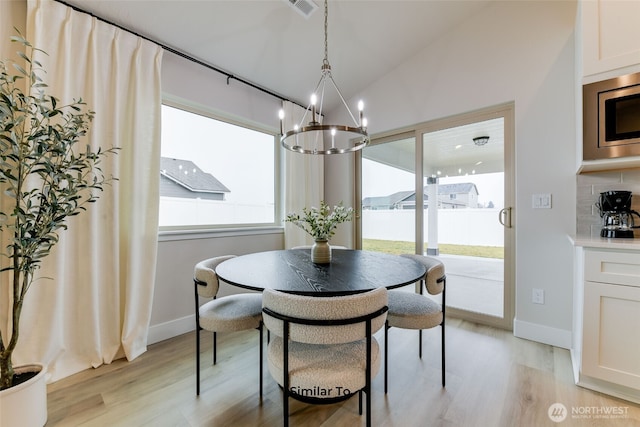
[493,379]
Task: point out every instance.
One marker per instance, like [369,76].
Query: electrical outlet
[537,296]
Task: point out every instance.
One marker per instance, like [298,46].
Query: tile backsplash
[589,187]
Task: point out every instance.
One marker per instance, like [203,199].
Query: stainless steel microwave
[611,118]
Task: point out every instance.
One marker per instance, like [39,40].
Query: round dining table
[349,272]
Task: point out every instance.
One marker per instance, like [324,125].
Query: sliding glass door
[388,196]
[457,208]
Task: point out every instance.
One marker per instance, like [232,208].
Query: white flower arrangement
[321,223]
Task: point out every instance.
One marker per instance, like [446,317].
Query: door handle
[504,216]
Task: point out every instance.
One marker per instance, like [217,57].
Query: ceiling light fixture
[480,140]
[315,137]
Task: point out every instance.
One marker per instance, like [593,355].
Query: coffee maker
[616,213]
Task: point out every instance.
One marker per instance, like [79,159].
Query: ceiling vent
[303,7]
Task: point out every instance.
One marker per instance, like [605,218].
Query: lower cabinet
[611,338]
[609,341]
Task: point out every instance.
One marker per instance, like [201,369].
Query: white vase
[321,252]
[25,405]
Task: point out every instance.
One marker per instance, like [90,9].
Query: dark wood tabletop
[350,271]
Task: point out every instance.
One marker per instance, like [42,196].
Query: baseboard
[622,392]
[164,331]
[575,364]
[543,334]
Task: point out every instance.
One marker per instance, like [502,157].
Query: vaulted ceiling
[271,44]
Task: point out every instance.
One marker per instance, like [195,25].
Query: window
[214,173]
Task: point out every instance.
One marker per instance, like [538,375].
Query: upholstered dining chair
[226,314]
[323,349]
[411,310]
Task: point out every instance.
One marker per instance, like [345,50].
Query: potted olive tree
[44,180]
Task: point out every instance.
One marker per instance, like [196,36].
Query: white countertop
[604,243]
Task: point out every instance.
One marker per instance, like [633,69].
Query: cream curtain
[304,180]
[97,305]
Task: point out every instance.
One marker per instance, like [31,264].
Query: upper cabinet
[610,38]
[608,49]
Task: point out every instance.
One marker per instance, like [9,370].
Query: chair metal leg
[197,361]
[367,387]
[386,354]
[198,329]
[443,359]
[285,370]
[360,402]
[444,312]
[215,346]
[260,361]
[422,286]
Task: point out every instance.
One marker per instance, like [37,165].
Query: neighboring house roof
[387,200]
[410,196]
[464,188]
[188,175]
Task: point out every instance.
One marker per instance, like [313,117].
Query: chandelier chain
[326,32]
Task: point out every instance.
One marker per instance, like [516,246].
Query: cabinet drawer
[621,268]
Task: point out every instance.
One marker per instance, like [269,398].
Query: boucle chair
[227,314]
[323,349]
[410,310]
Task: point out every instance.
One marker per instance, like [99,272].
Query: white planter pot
[25,405]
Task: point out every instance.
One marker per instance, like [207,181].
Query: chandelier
[311,135]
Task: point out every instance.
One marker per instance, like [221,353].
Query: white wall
[521,51]
[173,299]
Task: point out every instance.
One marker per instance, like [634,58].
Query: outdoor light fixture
[311,135]
[480,140]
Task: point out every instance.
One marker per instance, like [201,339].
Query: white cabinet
[610,38]
[608,348]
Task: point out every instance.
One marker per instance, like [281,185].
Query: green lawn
[398,247]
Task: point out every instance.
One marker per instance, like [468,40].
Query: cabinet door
[610,36]
[611,333]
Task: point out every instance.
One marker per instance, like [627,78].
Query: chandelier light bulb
[314,100]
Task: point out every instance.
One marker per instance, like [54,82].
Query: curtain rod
[183,55]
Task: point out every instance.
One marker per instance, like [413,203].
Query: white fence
[455,226]
[178,211]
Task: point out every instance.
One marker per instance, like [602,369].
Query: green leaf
[23,56]
[20,69]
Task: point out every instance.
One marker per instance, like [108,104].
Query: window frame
[205,230]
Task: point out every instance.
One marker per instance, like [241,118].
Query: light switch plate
[541,201]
